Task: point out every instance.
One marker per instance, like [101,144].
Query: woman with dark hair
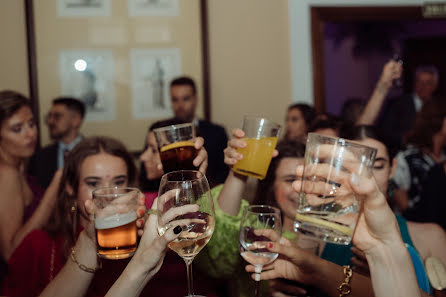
[425,148]
[23,204]
[93,163]
[298,120]
[276,189]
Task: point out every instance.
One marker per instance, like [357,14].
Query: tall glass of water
[328,208]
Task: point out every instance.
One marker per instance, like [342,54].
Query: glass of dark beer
[115,222]
[176,146]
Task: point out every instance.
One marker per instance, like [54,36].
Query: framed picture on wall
[120,66]
[83,8]
[153,7]
[152,71]
[88,75]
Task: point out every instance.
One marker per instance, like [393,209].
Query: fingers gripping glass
[115,222]
[185,200]
[260,225]
[328,207]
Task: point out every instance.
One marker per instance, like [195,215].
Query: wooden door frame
[320,15]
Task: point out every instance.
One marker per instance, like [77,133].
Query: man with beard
[64,121]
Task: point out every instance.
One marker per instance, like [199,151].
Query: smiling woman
[22,205]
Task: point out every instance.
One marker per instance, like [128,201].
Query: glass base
[322,233]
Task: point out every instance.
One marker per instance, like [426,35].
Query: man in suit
[184,102]
[399,115]
[64,121]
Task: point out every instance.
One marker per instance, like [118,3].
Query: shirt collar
[71,145]
[417,102]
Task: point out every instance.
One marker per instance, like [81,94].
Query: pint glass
[328,208]
[115,222]
[261,137]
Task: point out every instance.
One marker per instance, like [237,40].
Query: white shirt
[417,102]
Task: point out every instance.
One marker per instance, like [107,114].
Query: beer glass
[115,222]
[328,208]
[261,137]
[176,146]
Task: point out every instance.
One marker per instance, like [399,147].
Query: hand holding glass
[115,221]
[260,225]
[185,200]
[176,146]
[261,138]
[328,208]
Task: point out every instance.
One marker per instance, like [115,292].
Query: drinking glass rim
[164,177]
[264,206]
[246,117]
[342,141]
[95,192]
[173,127]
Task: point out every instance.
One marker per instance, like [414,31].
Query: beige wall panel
[250,64]
[13,57]
[118,33]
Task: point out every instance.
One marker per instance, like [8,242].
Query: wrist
[383,86]
[238,176]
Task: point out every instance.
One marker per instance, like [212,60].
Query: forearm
[72,281]
[131,282]
[231,195]
[392,271]
[37,220]
[373,107]
[330,276]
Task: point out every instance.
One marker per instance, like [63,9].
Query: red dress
[38,259]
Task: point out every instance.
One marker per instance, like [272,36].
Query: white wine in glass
[260,225]
[185,200]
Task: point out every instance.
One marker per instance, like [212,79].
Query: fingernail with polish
[270,245]
[177,230]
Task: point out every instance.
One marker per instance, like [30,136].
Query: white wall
[300,39]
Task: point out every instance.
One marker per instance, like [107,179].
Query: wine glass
[260,225]
[185,200]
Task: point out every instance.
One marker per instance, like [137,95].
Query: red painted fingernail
[141,212]
[270,245]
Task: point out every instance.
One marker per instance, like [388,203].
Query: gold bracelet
[345,288]
[82,266]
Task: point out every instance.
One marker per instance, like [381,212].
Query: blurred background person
[24,206]
[184,101]
[298,120]
[64,121]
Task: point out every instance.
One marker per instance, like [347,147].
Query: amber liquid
[256,156]
[178,156]
[116,236]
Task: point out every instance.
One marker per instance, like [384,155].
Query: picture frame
[99,57]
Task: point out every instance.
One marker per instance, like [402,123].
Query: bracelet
[82,266]
[345,288]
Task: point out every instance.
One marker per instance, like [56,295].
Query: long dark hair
[10,103]
[62,220]
[265,190]
[428,122]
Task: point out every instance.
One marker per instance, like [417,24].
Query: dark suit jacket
[397,119]
[43,164]
[215,141]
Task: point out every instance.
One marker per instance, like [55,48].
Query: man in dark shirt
[184,102]
[399,114]
[64,121]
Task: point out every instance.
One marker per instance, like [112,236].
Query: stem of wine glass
[190,279]
[257,270]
